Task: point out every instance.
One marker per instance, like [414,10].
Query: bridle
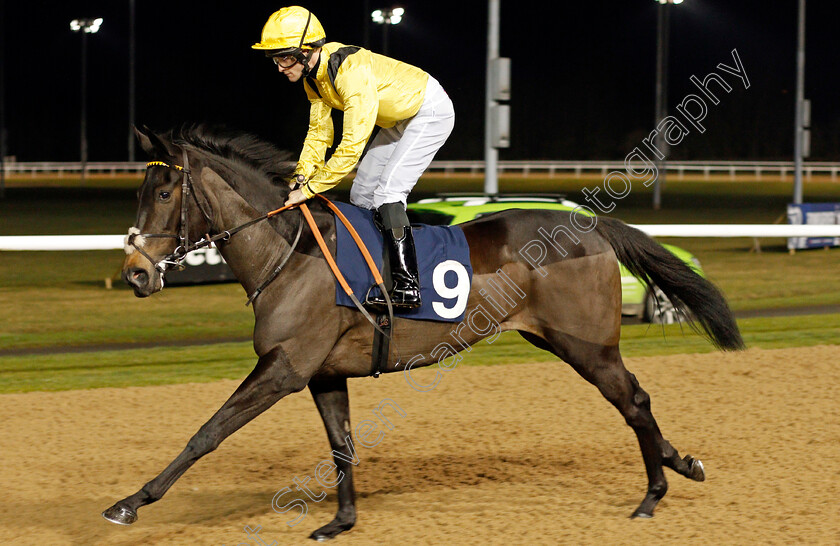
[185,247]
[174,260]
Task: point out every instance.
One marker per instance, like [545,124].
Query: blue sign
[813,214]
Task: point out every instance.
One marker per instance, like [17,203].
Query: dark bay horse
[563,295]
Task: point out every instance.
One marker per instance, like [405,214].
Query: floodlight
[84,27]
[386,17]
[88,26]
[94,26]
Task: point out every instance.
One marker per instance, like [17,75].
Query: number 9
[461,290]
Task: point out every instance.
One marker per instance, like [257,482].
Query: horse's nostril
[138,277]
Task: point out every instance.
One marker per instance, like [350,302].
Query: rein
[184,247]
[339,277]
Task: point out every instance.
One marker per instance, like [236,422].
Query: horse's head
[168,219]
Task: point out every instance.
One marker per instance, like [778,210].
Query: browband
[162,164]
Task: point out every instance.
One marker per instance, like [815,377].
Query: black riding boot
[402,258]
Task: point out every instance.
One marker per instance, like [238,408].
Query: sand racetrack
[494,454]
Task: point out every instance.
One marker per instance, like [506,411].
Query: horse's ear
[152,144]
[143,138]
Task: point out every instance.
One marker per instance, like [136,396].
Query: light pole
[491,153]
[132,61]
[85,26]
[662,32]
[799,133]
[2,103]
[366,25]
[387,17]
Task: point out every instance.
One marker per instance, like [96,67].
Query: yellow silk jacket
[370,89]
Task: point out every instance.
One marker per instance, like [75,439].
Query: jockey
[413,112]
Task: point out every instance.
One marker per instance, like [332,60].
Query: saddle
[443,257]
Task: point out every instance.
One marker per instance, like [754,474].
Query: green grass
[764,333]
[57,300]
[203,363]
[137,367]
[67,211]
[772,278]
[655,340]
[70,180]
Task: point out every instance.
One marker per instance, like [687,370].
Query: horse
[203,182]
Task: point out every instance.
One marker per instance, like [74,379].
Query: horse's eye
[164,196]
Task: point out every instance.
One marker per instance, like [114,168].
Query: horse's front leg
[334,404]
[271,380]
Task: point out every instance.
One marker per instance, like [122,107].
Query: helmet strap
[301,57]
[305,28]
[304,59]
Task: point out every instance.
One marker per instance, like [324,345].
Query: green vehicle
[636,299]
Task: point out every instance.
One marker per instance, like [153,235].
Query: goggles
[285,61]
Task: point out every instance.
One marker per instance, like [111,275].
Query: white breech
[399,155]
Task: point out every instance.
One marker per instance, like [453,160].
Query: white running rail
[115,242]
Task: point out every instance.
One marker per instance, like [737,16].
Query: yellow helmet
[291,28]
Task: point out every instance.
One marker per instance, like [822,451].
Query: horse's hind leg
[602,366]
[271,380]
[687,466]
[334,404]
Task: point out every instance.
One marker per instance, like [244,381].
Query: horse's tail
[686,289]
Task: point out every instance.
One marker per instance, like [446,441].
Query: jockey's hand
[295,197]
[297,181]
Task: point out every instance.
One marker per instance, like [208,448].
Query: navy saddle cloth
[443,258]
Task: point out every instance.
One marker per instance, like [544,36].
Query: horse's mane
[263,169]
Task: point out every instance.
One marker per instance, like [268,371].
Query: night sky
[582,84]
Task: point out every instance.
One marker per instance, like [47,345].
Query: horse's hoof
[325,533]
[120,515]
[696,471]
[321,537]
[331,530]
[640,515]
